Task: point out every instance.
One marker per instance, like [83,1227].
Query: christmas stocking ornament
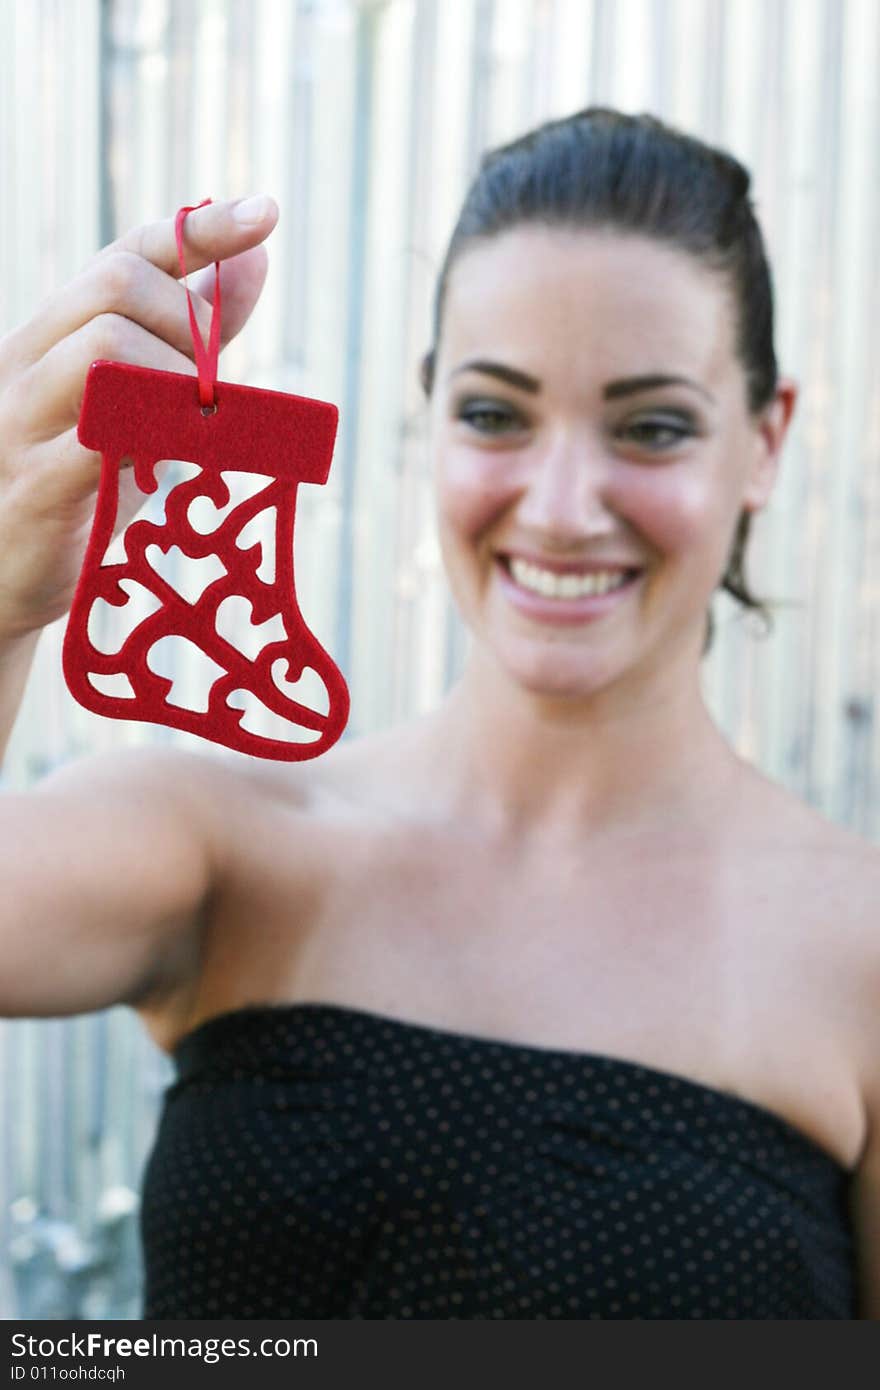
[148,416]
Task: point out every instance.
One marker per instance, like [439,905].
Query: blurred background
[365,119]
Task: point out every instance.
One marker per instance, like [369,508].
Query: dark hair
[600,168]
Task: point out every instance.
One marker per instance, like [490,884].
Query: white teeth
[552,585]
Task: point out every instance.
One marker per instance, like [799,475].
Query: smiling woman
[545,1004]
[619,467]
[604,171]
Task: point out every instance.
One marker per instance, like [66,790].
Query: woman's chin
[556,674]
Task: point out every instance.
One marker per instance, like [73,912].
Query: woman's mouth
[571,596]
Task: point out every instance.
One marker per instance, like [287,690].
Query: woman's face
[586,509]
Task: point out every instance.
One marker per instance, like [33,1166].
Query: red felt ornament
[148,416]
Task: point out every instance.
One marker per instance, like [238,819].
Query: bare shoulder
[368,776]
[273,827]
[170,767]
[839,885]
[827,878]
[277,833]
[848,859]
[195,790]
[825,848]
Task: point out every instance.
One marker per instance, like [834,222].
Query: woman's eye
[658,434]
[493,418]
[487,418]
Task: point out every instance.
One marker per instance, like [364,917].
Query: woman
[545,1004]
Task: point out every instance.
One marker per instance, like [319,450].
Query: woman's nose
[566,491]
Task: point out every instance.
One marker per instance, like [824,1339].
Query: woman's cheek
[472,496]
[676,513]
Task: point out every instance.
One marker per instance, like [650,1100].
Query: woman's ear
[426,372]
[771,429]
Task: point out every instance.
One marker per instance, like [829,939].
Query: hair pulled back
[599,169]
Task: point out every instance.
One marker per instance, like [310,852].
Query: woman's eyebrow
[509,374]
[627,385]
[624,386]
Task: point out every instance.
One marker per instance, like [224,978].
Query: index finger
[210,233]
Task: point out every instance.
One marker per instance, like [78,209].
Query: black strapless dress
[320,1161]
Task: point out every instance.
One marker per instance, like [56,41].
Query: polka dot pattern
[320,1161]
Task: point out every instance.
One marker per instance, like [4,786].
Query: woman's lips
[563,611]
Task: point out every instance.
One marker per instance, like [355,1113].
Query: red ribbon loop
[206,358]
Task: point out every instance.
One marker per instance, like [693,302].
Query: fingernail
[251,210]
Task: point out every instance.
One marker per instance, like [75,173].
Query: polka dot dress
[319,1161]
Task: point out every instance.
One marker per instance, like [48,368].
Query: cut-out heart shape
[234,622]
[309,689]
[187,576]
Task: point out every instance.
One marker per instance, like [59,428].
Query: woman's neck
[528,767]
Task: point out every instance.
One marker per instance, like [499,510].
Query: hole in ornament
[205,516]
[260,530]
[180,471]
[110,627]
[115,683]
[133,505]
[309,690]
[188,576]
[189,668]
[234,621]
[115,552]
[265,723]
[175,474]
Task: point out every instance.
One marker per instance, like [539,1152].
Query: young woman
[546,1004]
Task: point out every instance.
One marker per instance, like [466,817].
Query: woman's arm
[105,867]
[105,870]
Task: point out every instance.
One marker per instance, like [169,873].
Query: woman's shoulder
[831,873]
[368,774]
[831,870]
[297,784]
[789,817]
[286,823]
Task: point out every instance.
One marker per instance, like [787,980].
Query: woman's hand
[129,306]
